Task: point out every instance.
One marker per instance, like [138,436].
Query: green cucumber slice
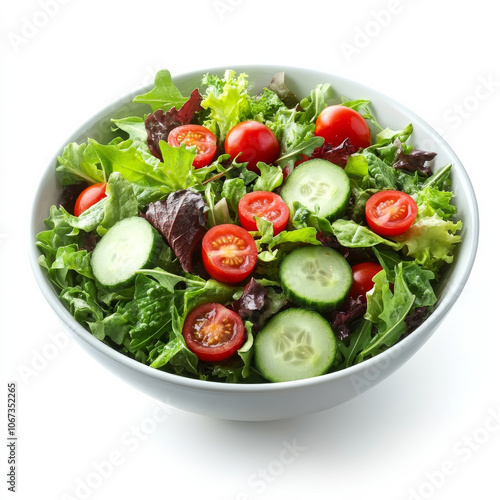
[318,183]
[131,244]
[316,277]
[295,344]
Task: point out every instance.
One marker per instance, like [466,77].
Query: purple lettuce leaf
[252,299]
[181,221]
[159,124]
[414,320]
[356,308]
[70,194]
[335,154]
[414,161]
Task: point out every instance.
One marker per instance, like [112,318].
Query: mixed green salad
[249,237]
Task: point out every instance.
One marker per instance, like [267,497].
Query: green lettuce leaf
[152,180]
[133,126]
[233,190]
[120,203]
[76,164]
[270,177]
[164,94]
[353,235]
[81,301]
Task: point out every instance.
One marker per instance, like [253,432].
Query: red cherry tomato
[213,332]
[390,213]
[229,253]
[254,141]
[90,196]
[195,135]
[337,123]
[265,204]
[362,278]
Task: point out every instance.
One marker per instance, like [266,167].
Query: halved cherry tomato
[213,332]
[89,196]
[195,135]
[229,253]
[337,123]
[390,213]
[362,278]
[265,204]
[254,141]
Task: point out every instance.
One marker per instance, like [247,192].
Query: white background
[58,69]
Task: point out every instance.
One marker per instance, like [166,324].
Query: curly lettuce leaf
[265,105]
[227,101]
[431,241]
[432,238]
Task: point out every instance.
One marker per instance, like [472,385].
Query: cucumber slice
[295,344]
[316,277]
[318,183]
[131,244]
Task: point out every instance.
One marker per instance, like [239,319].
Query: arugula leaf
[362,107]
[164,94]
[296,137]
[183,360]
[388,311]
[319,98]
[357,341]
[417,279]
[245,352]
[169,280]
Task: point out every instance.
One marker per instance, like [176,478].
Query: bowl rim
[430,324]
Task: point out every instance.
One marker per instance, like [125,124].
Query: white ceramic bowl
[287,399]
